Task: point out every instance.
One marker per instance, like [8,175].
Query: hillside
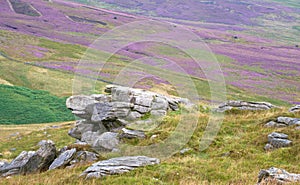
[235,156]
[193,55]
[20,105]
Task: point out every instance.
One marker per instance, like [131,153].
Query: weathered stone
[83,126]
[79,102]
[277,140]
[141,109]
[133,115]
[63,159]
[106,141]
[277,176]
[103,111]
[295,109]
[117,166]
[243,105]
[159,103]
[111,112]
[86,156]
[90,137]
[126,133]
[30,162]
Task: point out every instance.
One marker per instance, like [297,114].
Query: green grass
[21,105]
[242,134]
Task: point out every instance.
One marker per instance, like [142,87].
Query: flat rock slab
[244,105]
[63,159]
[277,176]
[295,109]
[118,166]
[284,122]
[277,140]
[126,133]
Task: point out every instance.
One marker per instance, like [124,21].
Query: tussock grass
[235,156]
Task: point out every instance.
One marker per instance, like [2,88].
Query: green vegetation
[20,105]
[235,156]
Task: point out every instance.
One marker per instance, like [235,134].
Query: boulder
[277,140]
[117,166]
[295,109]
[244,105]
[284,122]
[63,159]
[277,176]
[32,161]
[105,115]
[106,141]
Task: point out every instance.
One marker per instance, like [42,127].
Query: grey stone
[83,126]
[31,162]
[106,142]
[283,122]
[111,112]
[126,133]
[244,105]
[159,103]
[141,109]
[117,166]
[63,159]
[103,111]
[277,140]
[277,176]
[133,115]
[90,137]
[295,109]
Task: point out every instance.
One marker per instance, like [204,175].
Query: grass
[235,156]
[21,105]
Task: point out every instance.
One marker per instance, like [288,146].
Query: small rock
[295,109]
[277,176]
[277,140]
[126,133]
[117,166]
[185,150]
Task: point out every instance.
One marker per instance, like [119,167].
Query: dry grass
[242,136]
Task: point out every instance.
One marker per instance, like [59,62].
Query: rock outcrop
[277,176]
[295,109]
[244,105]
[284,122]
[277,140]
[117,166]
[44,159]
[32,161]
[105,115]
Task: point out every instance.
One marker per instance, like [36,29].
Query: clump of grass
[235,156]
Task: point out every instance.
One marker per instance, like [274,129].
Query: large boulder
[105,115]
[117,166]
[244,105]
[32,161]
[277,176]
